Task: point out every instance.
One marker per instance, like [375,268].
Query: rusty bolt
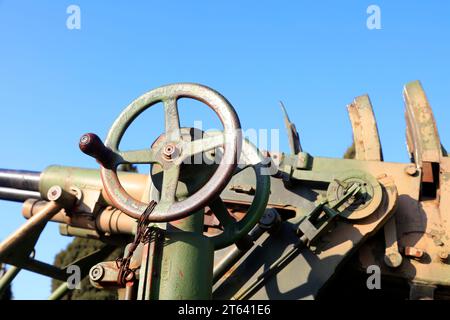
[414,252]
[169,151]
[96,273]
[54,193]
[443,255]
[411,170]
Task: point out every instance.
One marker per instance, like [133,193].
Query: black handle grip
[93,146]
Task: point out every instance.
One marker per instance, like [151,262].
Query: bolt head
[170,151]
[54,193]
[96,272]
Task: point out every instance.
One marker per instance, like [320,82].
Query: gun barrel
[19,185]
[20,179]
[18,195]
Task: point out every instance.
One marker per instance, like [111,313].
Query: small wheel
[234,230]
[366,204]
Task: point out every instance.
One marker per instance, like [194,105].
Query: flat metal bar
[45,269]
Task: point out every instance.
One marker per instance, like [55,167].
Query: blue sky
[316,56]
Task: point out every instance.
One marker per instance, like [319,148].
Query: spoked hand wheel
[170,155]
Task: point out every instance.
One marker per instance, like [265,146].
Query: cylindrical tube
[20,179]
[108,220]
[60,292]
[7,278]
[18,195]
[41,217]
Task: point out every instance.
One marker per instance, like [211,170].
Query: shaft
[19,185]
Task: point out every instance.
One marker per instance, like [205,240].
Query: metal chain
[143,234]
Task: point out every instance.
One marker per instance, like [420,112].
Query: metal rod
[60,292]
[18,195]
[47,212]
[273,269]
[234,255]
[129,291]
[7,278]
[20,179]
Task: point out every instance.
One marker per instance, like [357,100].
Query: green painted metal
[186,265]
[59,292]
[233,230]
[7,278]
[179,264]
[69,177]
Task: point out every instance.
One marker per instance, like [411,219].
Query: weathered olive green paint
[60,292]
[7,278]
[186,264]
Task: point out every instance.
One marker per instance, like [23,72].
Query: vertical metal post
[186,263]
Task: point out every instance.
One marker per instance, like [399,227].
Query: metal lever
[93,146]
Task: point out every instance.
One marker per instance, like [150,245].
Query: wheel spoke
[203,145]
[240,168]
[221,212]
[145,156]
[169,185]
[172,119]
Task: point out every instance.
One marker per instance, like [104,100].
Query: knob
[93,146]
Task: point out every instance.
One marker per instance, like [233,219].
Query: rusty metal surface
[422,217]
[422,228]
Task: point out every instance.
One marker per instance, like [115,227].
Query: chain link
[144,234]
